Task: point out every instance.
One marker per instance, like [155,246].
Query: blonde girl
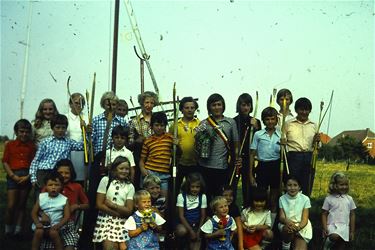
[47,110]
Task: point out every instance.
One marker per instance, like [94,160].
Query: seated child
[256,221]
[151,183]
[144,224]
[56,208]
[219,229]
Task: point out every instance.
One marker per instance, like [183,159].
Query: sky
[227,47]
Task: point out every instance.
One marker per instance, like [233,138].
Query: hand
[254,123]
[193,235]
[144,227]
[252,229]
[110,204]
[44,219]
[317,137]
[23,179]
[144,172]
[89,128]
[283,141]
[73,208]
[252,181]
[324,233]
[220,232]
[55,227]
[176,141]
[39,225]
[238,163]
[152,225]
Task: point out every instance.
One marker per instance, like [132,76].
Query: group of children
[137,219]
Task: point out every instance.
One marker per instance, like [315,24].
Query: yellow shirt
[185,134]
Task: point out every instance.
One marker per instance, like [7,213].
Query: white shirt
[131,225]
[111,155]
[250,217]
[191,203]
[74,131]
[300,135]
[118,192]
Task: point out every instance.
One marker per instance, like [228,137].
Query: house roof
[359,135]
[324,138]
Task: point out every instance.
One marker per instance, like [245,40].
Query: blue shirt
[50,151]
[98,128]
[267,147]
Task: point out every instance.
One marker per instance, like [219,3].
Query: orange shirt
[157,152]
[19,155]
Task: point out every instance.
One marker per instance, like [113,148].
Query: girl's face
[221,209]
[195,188]
[122,171]
[65,173]
[53,187]
[245,108]
[342,186]
[292,187]
[228,194]
[144,203]
[281,101]
[154,190]
[48,110]
[259,205]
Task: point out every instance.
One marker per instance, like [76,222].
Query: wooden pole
[115,45]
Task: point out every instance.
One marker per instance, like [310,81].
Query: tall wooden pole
[115,45]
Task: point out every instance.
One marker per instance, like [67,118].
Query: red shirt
[19,155]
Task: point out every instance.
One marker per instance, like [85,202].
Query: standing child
[234,211]
[191,207]
[219,229]
[41,125]
[151,184]
[56,208]
[17,158]
[122,108]
[338,217]
[144,224]
[114,200]
[266,145]
[284,94]
[256,221]
[294,223]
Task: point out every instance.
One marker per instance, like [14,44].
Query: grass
[362,179]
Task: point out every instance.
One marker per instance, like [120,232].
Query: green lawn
[362,180]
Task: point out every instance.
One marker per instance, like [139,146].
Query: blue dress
[147,240]
[215,244]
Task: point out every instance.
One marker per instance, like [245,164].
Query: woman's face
[77,105]
[148,105]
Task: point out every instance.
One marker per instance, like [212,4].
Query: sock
[18,229]
[9,228]
[285,245]
[273,217]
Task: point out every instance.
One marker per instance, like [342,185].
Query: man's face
[188,110]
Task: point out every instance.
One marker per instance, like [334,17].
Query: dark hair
[303,103]
[185,100]
[244,98]
[120,130]
[159,117]
[74,95]
[292,177]
[67,163]
[21,124]
[53,175]
[215,98]
[269,112]
[191,178]
[39,117]
[282,93]
[59,120]
[122,102]
[258,194]
[226,188]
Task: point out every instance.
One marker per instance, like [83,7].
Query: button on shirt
[267,147]
[50,151]
[300,135]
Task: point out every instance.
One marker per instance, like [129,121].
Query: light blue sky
[310,47]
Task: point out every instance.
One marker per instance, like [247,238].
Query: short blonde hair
[151,179]
[110,95]
[332,189]
[140,194]
[216,201]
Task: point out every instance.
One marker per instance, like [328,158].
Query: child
[234,211]
[256,221]
[17,158]
[51,150]
[219,229]
[157,151]
[46,112]
[266,145]
[151,183]
[143,224]
[56,207]
[284,94]
[120,138]
[77,201]
[338,216]
[115,203]
[294,216]
[191,207]
[301,134]
[122,108]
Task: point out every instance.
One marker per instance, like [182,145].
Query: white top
[192,201]
[300,135]
[53,206]
[131,225]
[293,205]
[250,217]
[74,128]
[208,228]
[111,155]
[118,192]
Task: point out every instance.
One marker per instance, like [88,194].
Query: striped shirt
[98,129]
[157,152]
[50,151]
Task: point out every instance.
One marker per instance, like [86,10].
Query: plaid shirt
[50,151]
[139,126]
[98,128]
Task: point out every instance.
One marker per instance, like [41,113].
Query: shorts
[164,177]
[252,239]
[68,235]
[11,184]
[268,174]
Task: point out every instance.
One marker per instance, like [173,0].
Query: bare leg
[109,245]
[21,207]
[299,243]
[11,206]
[38,235]
[55,237]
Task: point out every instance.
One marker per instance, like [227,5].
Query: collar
[294,119]
[217,219]
[120,150]
[58,139]
[195,119]
[277,132]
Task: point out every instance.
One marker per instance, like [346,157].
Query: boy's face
[48,110]
[281,101]
[245,108]
[23,134]
[302,114]
[144,203]
[53,187]
[222,209]
[217,108]
[65,173]
[77,105]
[59,131]
[148,105]
[270,122]
[122,110]
[188,110]
[119,141]
[158,128]
[154,190]
[228,194]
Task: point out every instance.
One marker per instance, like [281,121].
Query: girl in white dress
[294,225]
[338,217]
[114,199]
